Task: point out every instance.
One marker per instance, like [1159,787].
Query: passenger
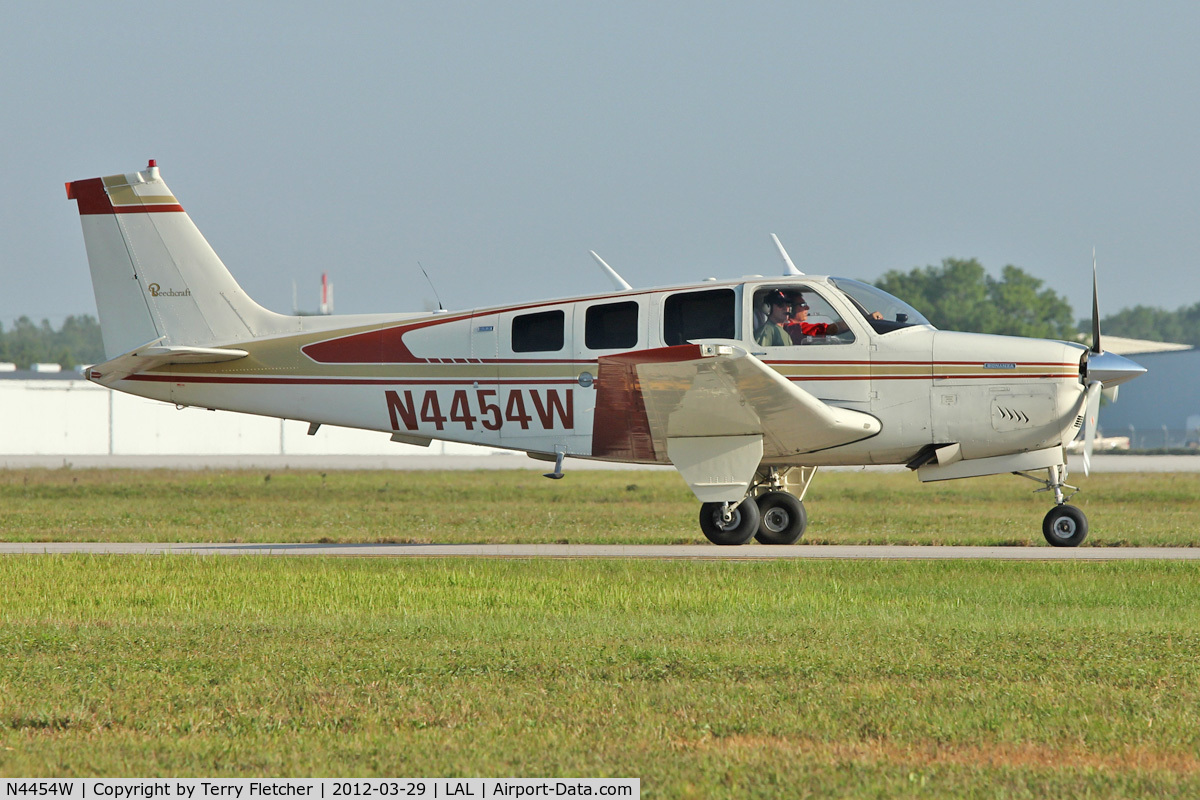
[798,326]
[772,334]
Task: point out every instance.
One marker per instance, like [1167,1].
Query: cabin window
[699,315]
[538,333]
[611,326]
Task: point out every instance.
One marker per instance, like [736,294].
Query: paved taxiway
[694,552]
[487,461]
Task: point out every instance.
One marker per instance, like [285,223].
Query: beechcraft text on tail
[746,386]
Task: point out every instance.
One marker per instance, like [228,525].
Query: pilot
[798,326]
[772,334]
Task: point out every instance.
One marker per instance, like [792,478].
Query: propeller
[1094,387]
[1103,374]
[1095,308]
[1089,423]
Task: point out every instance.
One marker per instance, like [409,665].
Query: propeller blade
[1089,423]
[1095,309]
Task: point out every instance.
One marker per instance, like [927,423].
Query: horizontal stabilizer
[152,354]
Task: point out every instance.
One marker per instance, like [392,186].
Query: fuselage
[531,376]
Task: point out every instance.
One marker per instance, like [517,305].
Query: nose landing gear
[1064,525]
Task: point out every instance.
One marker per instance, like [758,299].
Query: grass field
[737,680]
[842,679]
[592,507]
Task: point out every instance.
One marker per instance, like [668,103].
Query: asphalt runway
[486,461]
[621,551]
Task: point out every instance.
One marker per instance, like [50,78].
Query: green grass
[593,507]
[704,679]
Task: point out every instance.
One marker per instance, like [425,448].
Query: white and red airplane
[709,377]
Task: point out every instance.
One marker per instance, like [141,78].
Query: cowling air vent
[1013,412]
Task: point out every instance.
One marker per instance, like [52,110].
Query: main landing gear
[772,511]
[1064,525]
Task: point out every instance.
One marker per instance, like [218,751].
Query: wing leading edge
[715,412]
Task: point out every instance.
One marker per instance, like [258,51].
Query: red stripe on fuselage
[263,381]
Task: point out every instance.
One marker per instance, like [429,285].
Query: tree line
[76,342]
[958,295]
[1157,324]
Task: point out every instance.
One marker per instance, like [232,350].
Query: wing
[715,412]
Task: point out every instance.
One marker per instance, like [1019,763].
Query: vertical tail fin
[155,276]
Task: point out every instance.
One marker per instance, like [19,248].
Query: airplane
[670,375]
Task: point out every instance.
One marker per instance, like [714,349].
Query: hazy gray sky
[498,142]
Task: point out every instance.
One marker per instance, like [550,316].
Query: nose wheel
[1065,526]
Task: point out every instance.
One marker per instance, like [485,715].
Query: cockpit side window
[688,316]
[796,315]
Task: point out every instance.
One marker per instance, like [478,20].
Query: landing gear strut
[1064,525]
[772,511]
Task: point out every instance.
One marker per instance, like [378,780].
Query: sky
[496,143]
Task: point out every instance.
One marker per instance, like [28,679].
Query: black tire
[1065,526]
[783,518]
[740,529]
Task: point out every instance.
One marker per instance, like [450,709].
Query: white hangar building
[1161,408]
[50,413]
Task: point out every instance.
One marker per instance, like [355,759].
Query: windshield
[885,312]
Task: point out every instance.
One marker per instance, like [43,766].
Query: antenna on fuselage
[431,286]
[788,267]
[617,281]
